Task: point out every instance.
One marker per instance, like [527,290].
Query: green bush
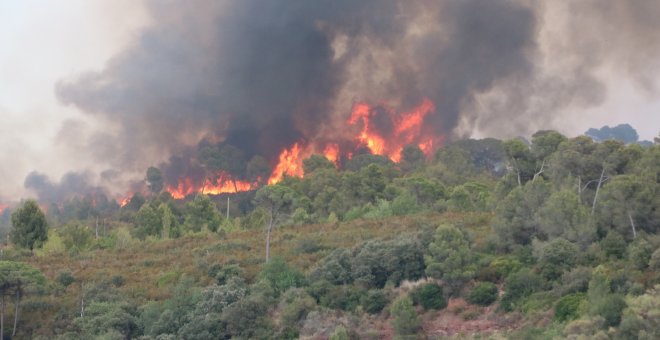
[429,296]
[345,297]
[374,301]
[567,308]
[280,276]
[483,294]
[614,245]
[519,285]
[65,279]
[610,308]
[405,319]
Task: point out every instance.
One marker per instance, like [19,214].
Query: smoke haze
[262,75]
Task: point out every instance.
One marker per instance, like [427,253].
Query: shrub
[280,276]
[374,301]
[519,285]
[405,318]
[483,294]
[610,308]
[429,296]
[639,254]
[557,256]
[567,308]
[65,279]
[614,245]
[346,297]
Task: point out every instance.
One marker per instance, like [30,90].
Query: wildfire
[3,207]
[407,129]
[124,200]
[331,152]
[290,163]
[383,130]
[223,183]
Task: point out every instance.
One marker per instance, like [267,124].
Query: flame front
[407,129]
[290,163]
[222,184]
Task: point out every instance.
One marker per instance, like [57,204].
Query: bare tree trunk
[97,227]
[2,318]
[518,172]
[632,225]
[82,301]
[16,304]
[227,207]
[600,182]
[540,171]
[270,229]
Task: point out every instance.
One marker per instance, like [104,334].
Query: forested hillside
[550,238]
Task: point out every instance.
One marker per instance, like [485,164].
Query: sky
[43,42]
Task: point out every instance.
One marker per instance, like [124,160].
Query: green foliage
[604,303]
[639,253]
[30,227]
[483,294]
[202,213]
[519,285]
[614,245]
[374,301]
[316,162]
[567,308]
[340,333]
[405,320]
[556,257]
[76,235]
[374,263]
[429,296]
[101,317]
[65,279]
[450,258]
[280,276]
[345,297]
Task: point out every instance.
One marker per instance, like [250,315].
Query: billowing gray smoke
[261,75]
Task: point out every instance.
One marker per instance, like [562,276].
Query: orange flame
[3,207]
[222,184]
[407,129]
[290,163]
[331,152]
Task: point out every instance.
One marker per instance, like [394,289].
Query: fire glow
[380,129]
[221,184]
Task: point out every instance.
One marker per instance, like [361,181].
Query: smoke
[262,75]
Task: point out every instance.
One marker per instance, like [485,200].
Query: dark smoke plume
[261,75]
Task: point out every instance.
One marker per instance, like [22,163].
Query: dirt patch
[461,318]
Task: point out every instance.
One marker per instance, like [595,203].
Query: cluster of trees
[571,226]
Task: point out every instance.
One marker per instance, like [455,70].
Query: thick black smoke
[261,75]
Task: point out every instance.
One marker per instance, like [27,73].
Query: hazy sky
[45,41]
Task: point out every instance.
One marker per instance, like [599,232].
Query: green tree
[405,321]
[316,162]
[429,296]
[148,222]
[155,180]
[412,157]
[562,215]
[483,294]
[202,213]
[556,257]
[75,235]
[277,200]
[30,227]
[450,258]
[17,279]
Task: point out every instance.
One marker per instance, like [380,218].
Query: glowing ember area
[331,152]
[3,207]
[407,128]
[290,164]
[124,200]
[222,184]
